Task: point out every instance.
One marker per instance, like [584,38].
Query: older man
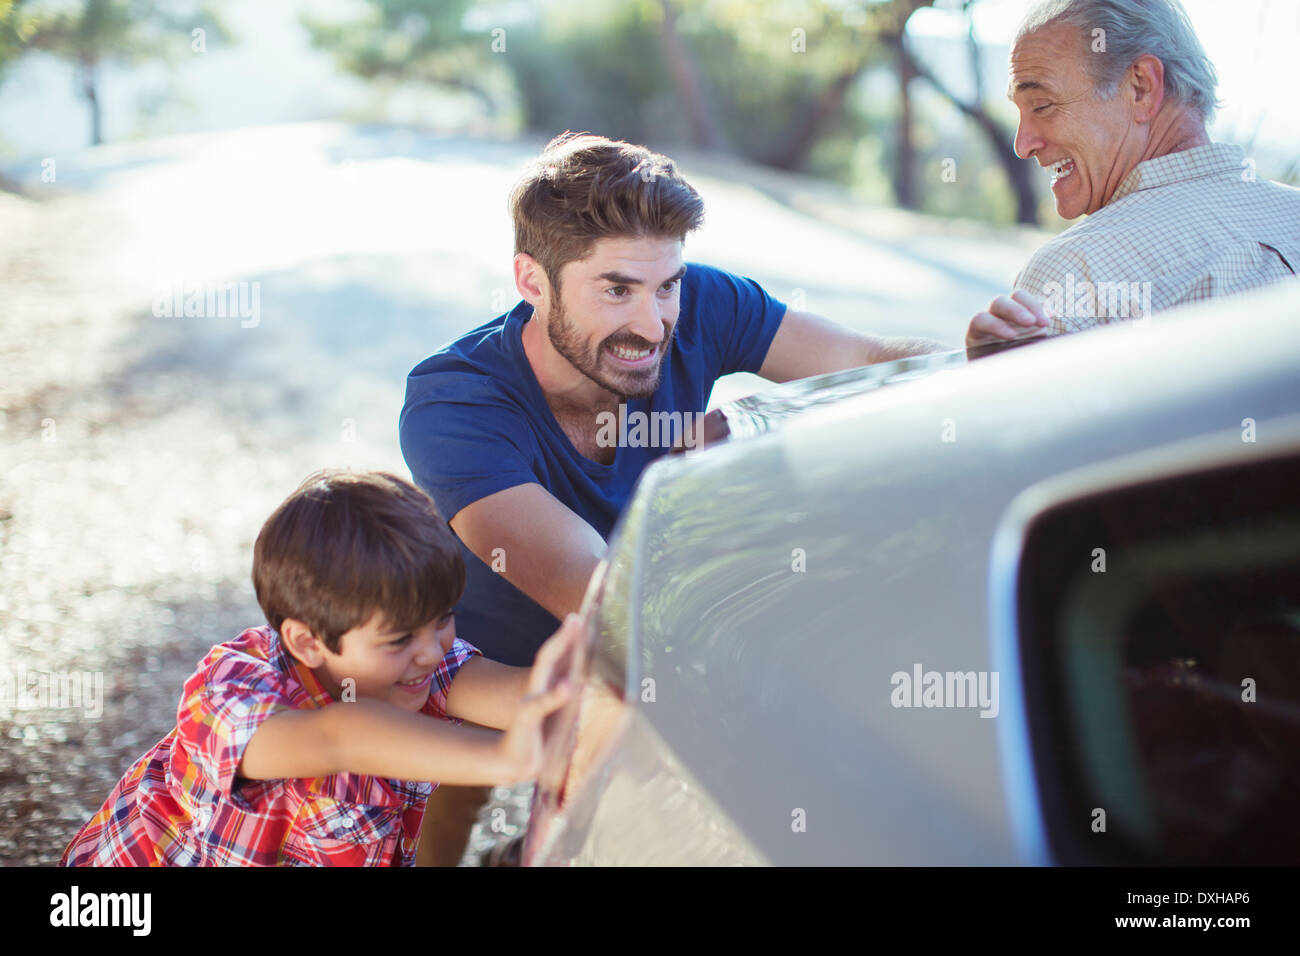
[1114,96]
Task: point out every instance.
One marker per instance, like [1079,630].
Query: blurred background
[228,231]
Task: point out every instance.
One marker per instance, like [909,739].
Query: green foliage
[775,81]
[979,189]
[91,32]
[406,38]
[15,25]
[607,72]
[765,86]
[128,31]
[602,72]
[418,40]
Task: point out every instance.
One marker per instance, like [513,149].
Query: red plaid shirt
[182,805]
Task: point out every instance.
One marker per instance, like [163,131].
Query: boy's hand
[602,714]
[551,685]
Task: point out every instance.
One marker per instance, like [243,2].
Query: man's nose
[651,319]
[1028,141]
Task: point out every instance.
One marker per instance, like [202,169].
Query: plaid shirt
[1191,225]
[182,805]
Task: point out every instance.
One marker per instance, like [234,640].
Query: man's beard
[568,341]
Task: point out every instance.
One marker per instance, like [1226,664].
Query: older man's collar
[1196,163]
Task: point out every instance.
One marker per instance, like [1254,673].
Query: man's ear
[302,643]
[1146,78]
[530,280]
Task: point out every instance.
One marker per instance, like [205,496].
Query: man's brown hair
[585,187]
[346,545]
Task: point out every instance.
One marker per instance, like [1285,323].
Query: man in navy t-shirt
[477,423]
[531,431]
[519,430]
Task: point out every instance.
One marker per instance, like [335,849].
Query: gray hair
[1134,28]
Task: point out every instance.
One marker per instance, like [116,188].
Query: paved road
[142,451]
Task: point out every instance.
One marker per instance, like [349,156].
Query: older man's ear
[1147,85]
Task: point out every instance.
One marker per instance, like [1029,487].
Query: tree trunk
[88,70]
[1000,139]
[706,129]
[886,20]
[795,148]
[905,161]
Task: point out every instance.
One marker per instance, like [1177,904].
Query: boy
[308,742]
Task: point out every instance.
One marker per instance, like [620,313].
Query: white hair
[1134,28]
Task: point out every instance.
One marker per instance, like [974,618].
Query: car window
[1159,630]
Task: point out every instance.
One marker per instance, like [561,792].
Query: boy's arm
[487,692]
[374,738]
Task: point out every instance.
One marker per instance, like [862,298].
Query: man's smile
[631,357]
[1060,170]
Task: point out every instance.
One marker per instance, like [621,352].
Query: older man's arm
[807,344]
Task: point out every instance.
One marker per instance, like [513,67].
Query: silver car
[1039,607]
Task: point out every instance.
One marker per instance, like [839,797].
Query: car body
[1003,611]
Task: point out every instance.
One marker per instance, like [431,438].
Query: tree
[695,97]
[885,22]
[770,80]
[1000,138]
[90,33]
[419,40]
[857,48]
[14,26]
[893,31]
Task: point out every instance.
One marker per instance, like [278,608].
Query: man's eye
[669,285]
[1039,109]
[619,291]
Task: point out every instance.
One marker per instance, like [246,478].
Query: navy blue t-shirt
[476,422]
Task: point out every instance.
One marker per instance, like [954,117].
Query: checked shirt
[1187,226]
[181,804]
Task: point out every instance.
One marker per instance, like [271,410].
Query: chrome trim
[1019,781]
[769,409]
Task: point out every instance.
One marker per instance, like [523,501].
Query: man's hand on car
[714,429]
[1014,316]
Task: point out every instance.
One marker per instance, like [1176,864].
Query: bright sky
[1252,43]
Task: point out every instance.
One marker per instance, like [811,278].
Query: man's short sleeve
[747,315]
[436,705]
[225,703]
[463,442]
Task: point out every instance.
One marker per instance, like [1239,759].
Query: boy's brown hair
[346,545]
[585,187]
